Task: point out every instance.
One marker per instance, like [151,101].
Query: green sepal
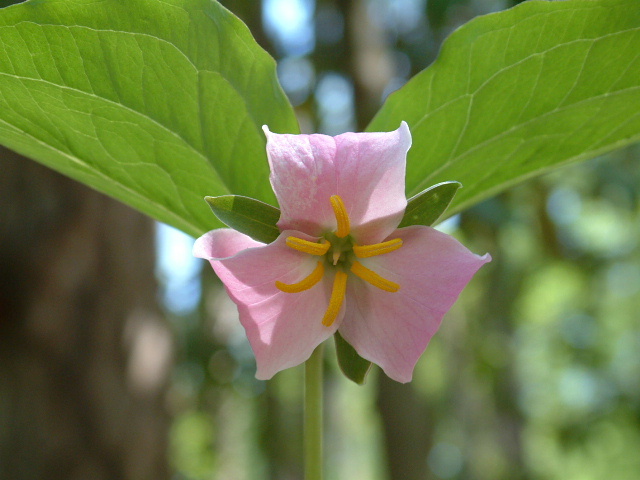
[354,367]
[427,207]
[247,215]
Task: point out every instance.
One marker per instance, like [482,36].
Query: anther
[365,251]
[304,284]
[337,297]
[342,217]
[304,246]
[373,278]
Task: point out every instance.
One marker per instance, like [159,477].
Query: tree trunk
[84,355]
[408,430]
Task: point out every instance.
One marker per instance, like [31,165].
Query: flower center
[340,252]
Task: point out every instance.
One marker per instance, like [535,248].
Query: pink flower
[340,263]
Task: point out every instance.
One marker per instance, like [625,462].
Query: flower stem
[313,416]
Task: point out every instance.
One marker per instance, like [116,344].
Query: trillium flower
[340,262]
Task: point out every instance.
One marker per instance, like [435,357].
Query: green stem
[313,416]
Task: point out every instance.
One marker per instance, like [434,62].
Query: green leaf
[517,93]
[156,103]
[426,207]
[353,366]
[247,215]
[6,3]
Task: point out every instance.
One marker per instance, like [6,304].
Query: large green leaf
[155,102]
[519,92]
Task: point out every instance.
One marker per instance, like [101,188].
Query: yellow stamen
[365,251]
[305,246]
[304,284]
[373,278]
[337,297]
[344,226]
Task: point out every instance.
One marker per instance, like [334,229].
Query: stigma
[340,253]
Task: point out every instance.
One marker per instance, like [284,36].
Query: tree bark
[84,354]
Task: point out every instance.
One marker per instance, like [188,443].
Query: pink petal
[222,243]
[366,169]
[393,329]
[283,328]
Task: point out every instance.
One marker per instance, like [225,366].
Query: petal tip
[400,376]
[199,249]
[266,130]
[405,134]
[260,375]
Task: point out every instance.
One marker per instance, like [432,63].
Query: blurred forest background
[119,360]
